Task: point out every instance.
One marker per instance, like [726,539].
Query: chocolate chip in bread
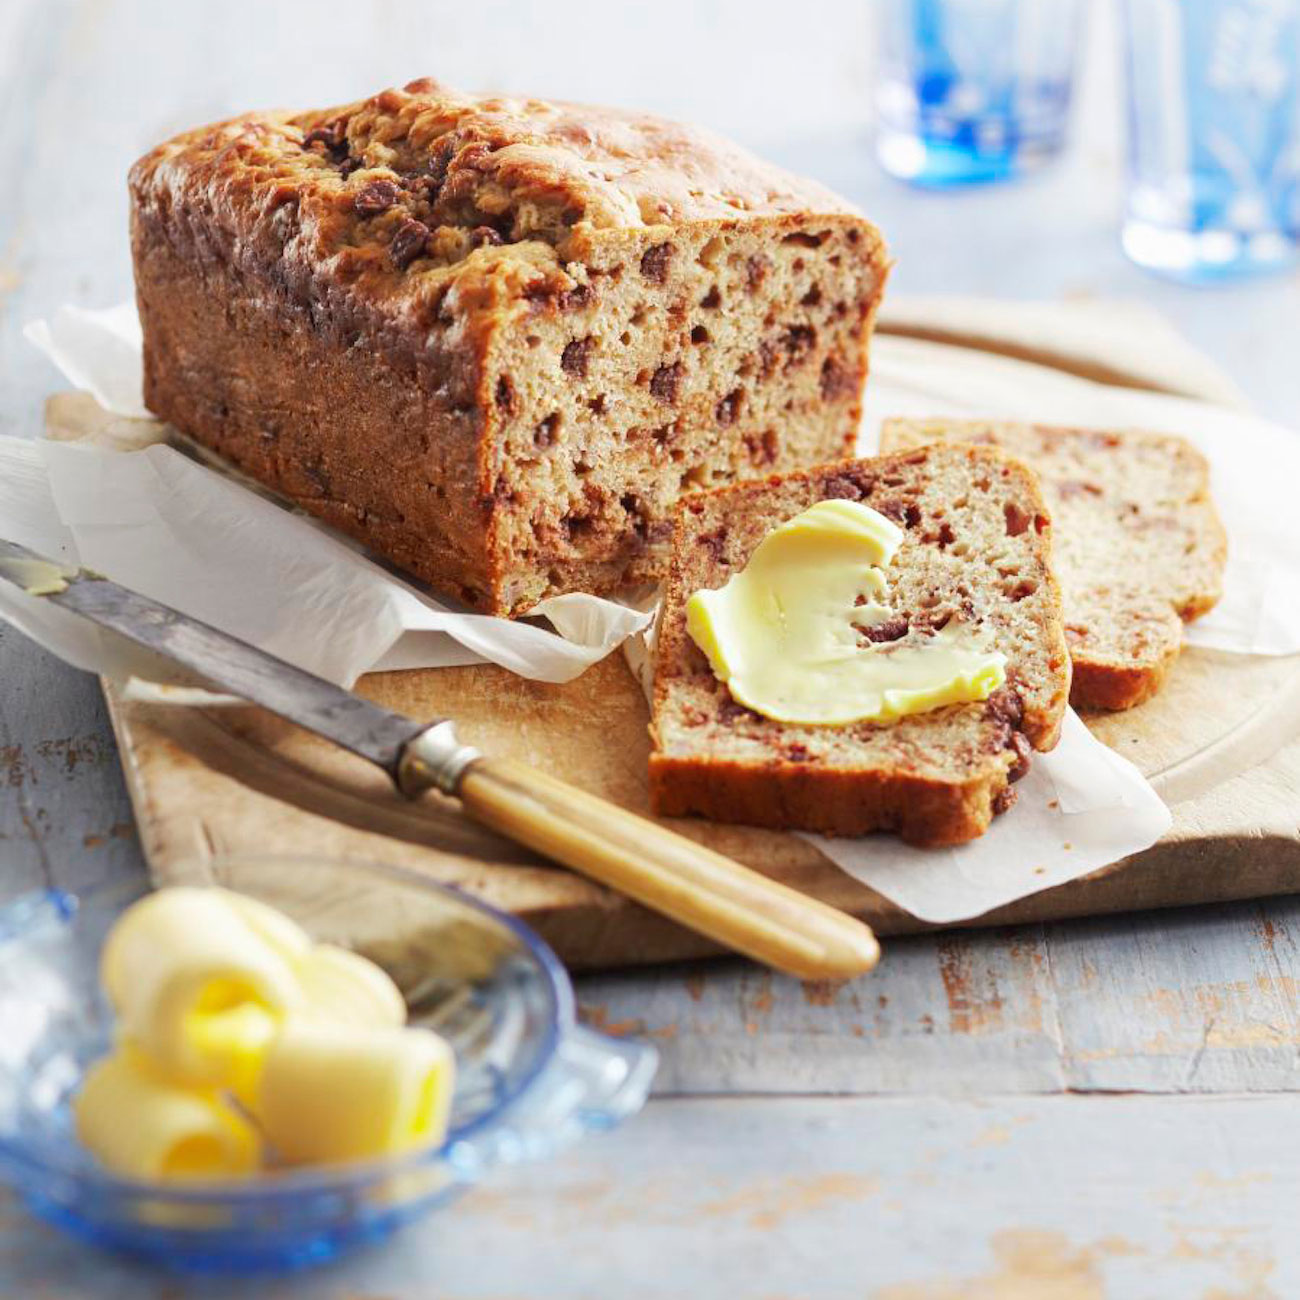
[976,549]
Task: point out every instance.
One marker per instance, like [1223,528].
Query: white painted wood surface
[818,1199]
[1189,1001]
[946,1175]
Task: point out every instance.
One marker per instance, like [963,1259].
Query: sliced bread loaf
[975,550]
[1137,544]
[495,338]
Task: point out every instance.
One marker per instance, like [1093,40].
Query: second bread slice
[1138,546]
[976,549]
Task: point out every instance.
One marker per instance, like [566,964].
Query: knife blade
[662,870]
[221,660]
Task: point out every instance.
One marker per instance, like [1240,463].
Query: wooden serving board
[237,780]
[1221,744]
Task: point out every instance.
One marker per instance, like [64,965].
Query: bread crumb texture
[976,551]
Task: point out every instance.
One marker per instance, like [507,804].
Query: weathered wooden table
[1081,1110]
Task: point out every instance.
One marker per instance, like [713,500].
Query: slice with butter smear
[789,634]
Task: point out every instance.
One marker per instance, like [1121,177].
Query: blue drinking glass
[1214,136]
[972,90]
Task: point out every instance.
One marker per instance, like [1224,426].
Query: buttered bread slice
[961,592]
[1138,545]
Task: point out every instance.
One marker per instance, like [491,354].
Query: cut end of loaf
[679,360]
[975,549]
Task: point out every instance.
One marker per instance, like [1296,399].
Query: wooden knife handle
[668,873]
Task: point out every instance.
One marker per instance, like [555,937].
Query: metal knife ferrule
[434,760]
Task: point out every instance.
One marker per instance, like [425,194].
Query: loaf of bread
[495,339]
[1137,545]
[976,550]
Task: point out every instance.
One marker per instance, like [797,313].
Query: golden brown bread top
[380,199]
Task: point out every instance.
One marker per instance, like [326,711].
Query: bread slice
[1137,545]
[496,338]
[976,548]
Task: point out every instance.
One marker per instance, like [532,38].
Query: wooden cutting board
[1221,744]
[238,780]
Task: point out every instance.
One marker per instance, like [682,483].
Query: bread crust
[1110,687]
[416,255]
[935,778]
[784,796]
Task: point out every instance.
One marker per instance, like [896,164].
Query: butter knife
[666,872]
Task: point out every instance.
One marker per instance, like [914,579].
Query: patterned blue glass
[972,90]
[1214,136]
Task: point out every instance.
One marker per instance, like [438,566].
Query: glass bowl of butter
[528,1078]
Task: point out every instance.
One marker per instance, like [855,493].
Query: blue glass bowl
[529,1078]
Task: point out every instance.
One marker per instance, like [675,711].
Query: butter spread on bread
[801,633]
[1138,545]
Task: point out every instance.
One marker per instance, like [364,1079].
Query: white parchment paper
[1080,808]
[137,509]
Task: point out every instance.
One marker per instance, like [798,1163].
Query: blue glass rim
[276,1184]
